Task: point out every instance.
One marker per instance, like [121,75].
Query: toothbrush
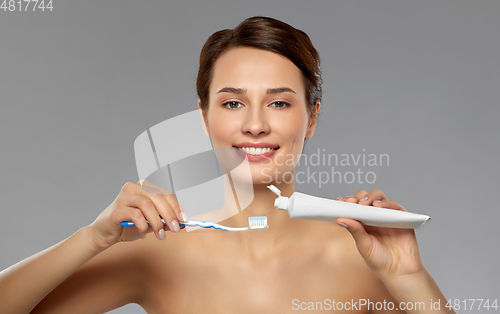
[254,223]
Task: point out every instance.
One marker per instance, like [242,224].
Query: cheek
[294,127]
[221,127]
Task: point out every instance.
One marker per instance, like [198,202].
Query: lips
[257,145]
[256,151]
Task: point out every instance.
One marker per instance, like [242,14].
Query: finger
[389,204]
[149,229]
[184,216]
[340,198]
[149,211]
[178,209]
[166,228]
[352,199]
[358,232]
[152,188]
[360,194]
[163,204]
[375,195]
[130,187]
[165,210]
[133,214]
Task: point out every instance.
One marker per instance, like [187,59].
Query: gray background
[418,80]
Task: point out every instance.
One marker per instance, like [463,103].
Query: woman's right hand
[136,205]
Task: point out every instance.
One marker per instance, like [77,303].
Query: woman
[258,85]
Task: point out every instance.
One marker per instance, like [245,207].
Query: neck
[262,204]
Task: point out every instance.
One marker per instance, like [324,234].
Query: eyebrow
[243,90]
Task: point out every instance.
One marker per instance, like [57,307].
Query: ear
[203,119]
[313,119]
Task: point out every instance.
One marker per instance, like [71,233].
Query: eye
[280,104]
[232,104]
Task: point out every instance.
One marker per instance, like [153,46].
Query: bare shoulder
[109,280]
[158,256]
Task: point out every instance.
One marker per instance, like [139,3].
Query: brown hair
[268,34]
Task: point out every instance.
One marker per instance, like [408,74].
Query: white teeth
[255,151]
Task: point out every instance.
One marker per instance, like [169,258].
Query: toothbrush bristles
[258,221]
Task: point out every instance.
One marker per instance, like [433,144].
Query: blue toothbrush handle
[128,224]
[131,224]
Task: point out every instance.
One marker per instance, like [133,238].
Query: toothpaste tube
[304,206]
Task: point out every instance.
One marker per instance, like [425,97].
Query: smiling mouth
[256,150]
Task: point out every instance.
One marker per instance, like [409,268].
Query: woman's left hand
[390,252]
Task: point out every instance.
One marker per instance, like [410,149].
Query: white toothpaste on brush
[304,206]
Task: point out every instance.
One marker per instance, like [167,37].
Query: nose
[255,122]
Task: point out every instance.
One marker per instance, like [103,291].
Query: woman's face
[258,107]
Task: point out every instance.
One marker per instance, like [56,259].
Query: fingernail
[143,236]
[377,201]
[364,198]
[342,225]
[161,234]
[184,217]
[350,196]
[175,226]
[339,198]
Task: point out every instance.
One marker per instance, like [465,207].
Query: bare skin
[212,272]
[239,279]
[278,270]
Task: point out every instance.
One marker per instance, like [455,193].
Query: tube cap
[274,189]
[281,202]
